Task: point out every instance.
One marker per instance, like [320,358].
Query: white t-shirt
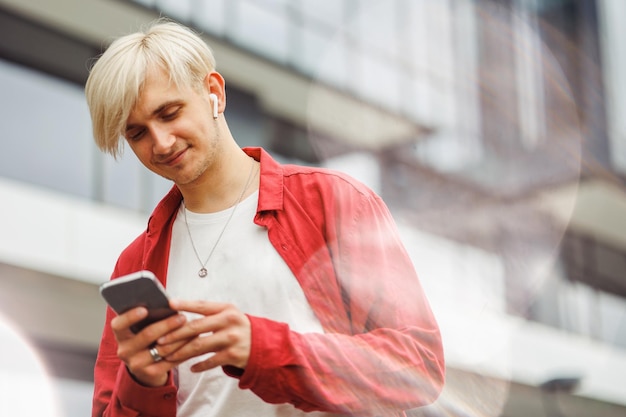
[244,270]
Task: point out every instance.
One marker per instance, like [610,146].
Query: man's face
[171,130]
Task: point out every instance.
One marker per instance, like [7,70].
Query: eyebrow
[157,111]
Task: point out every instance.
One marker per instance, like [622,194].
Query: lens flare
[25,387]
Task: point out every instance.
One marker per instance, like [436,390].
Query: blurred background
[494,130]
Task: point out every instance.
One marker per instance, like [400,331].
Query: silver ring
[155,354]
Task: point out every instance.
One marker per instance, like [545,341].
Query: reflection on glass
[262,30]
[328,11]
[178,9]
[46,130]
[210,16]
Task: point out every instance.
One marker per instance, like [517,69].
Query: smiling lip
[174,159]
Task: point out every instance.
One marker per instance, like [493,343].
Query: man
[295,292]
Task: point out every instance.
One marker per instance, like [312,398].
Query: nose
[162,141]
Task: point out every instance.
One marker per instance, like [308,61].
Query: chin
[184,179]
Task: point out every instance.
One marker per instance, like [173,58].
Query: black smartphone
[139,289]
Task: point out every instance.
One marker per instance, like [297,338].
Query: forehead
[156,84]
[158,88]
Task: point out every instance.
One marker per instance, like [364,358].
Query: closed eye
[171,113]
[135,134]
[166,112]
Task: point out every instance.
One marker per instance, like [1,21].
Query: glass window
[263,30]
[121,180]
[418,76]
[529,80]
[416,95]
[428,55]
[378,81]
[46,131]
[244,118]
[312,47]
[48,142]
[333,63]
[614,67]
[375,28]
[209,15]
[178,9]
[274,3]
[327,11]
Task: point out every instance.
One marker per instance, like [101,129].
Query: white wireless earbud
[215,103]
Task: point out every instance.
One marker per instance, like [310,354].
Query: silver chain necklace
[203,271]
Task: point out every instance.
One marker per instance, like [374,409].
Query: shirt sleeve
[117,394]
[389,355]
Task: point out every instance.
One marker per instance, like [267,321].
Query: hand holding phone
[139,289]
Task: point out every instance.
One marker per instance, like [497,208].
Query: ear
[215,85]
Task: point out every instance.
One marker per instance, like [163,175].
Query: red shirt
[381,350]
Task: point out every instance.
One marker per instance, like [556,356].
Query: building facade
[492,129]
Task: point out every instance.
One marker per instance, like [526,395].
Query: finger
[191,348]
[220,358]
[193,328]
[150,369]
[149,335]
[198,306]
[226,316]
[231,346]
[204,365]
[166,350]
[121,324]
[128,347]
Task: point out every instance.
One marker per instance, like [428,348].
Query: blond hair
[116,79]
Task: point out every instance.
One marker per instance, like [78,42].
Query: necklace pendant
[202,273]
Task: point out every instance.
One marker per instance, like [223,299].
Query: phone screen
[139,289]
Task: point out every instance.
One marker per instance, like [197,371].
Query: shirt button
[168,396]
[283,246]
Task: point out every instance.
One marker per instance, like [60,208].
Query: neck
[227,182]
